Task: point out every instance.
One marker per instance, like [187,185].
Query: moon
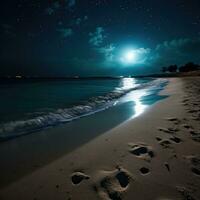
[129,56]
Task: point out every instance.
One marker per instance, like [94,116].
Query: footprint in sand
[168,130]
[195,161]
[158,139]
[187,126]
[194,132]
[175,120]
[142,151]
[167,166]
[176,139]
[144,171]
[192,111]
[195,164]
[195,135]
[172,119]
[187,194]
[78,177]
[196,171]
[113,184]
[196,118]
[165,143]
[196,138]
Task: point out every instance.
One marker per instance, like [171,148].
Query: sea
[27,106]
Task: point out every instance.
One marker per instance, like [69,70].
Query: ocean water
[29,106]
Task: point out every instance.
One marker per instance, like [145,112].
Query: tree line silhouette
[188,67]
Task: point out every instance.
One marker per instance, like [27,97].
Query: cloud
[142,55]
[49,11]
[182,45]
[65,32]
[97,37]
[112,55]
[71,3]
[108,52]
[85,18]
[178,51]
[53,8]
[56,6]
[80,20]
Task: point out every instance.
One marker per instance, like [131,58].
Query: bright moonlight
[129,56]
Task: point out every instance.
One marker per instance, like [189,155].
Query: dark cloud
[80,20]
[108,52]
[177,51]
[71,3]
[65,32]
[49,11]
[56,6]
[97,37]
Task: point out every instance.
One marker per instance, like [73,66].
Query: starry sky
[89,37]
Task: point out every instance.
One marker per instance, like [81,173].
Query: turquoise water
[29,106]
[25,154]
[27,99]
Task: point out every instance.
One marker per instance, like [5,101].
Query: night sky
[93,37]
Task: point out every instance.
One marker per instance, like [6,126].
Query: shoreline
[60,116]
[23,155]
[152,151]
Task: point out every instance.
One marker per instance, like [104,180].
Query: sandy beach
[155,156]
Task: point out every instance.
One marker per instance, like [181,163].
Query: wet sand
[154,156]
